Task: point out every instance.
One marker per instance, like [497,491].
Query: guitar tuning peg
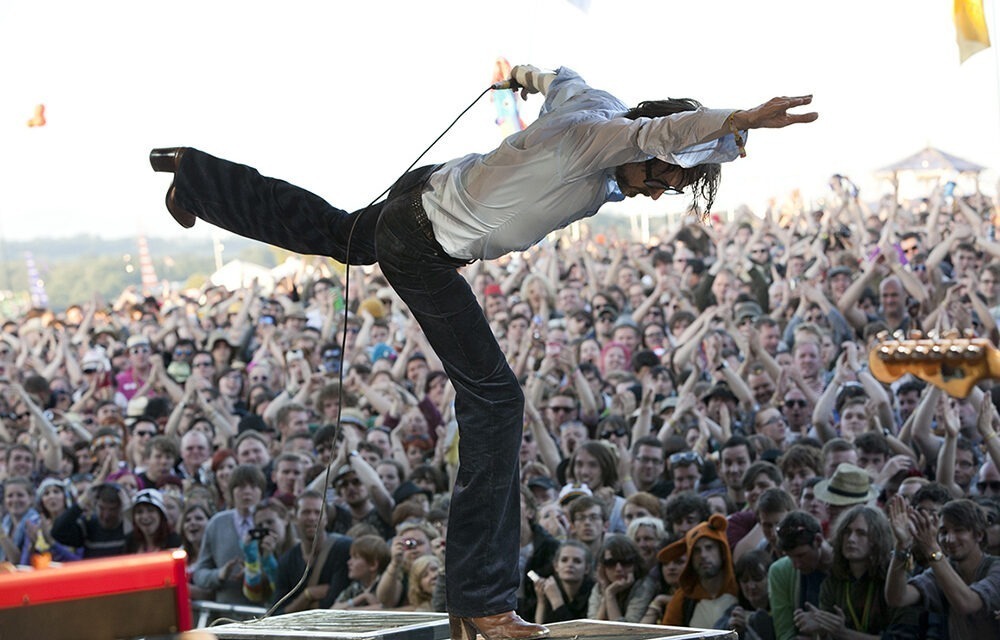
[969,333]
[973,352]
[885,352]
[903,352]
[950,334]
[898,334]
[916,335]
[881,336]
[936,353]
[922,349]
[933,334]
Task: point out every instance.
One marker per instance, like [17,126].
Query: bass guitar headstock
[952,361]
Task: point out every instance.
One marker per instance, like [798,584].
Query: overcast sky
[340,97]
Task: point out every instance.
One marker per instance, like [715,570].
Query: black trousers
[484,522]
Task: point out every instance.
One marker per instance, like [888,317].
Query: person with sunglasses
[586,148]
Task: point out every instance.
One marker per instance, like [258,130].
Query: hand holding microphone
[528,79]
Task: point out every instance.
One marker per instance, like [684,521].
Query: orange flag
[970,28]
[38,120]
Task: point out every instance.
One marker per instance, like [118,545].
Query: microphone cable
[343,352]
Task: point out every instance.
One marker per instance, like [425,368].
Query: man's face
[351,489]
[587,525]
[685,477]
[288,476]
[246,496]
[806,358]
[735,461]
[571,435]
[988,481]
[706,558]
[560,409]
[194,449]
[907,403]
[770,336]
[308,517]
[769,526]
[812,505]
[203,366]
[160,463]
[759,485]
[569,300]
[805,558]
[958,543]
[891,297]
[20,463]
[856,544]
[138,356]
[109,513]
[415,368]
[648,464]
[965,467]
[586,469]
[296,421]
[685,523]
[652,179]
[796,478]
[628,336]
[963,262]
[253,451]
[871,460]
[839,284]
[796,409]
[762,387]
[835,458]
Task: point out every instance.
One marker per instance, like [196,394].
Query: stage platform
[391,625]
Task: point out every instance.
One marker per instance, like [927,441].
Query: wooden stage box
[391,625]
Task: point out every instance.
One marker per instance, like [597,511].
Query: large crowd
[704,444]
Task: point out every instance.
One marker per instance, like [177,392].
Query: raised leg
[239,199]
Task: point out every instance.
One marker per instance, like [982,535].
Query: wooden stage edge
[392,625]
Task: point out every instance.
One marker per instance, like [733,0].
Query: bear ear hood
[715,529]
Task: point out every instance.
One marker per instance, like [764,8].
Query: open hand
[773,114]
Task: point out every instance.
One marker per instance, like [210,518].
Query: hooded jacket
[690,585]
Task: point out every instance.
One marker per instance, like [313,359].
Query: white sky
[340,96]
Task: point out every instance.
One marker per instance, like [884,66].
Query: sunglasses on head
[685,457]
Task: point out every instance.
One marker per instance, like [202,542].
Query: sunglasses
[791,404]
[621,562]
[621,433]
[558,409]
[353,482]
[685,457]
[992,485]
[658,184]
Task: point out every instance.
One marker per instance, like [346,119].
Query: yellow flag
[970,28]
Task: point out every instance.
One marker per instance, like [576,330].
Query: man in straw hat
[849,485]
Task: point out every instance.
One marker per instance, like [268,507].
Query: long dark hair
[703,178]
[879,539]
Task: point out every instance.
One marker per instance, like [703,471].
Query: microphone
[509,83]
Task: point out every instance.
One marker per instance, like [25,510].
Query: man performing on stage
[585,149]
